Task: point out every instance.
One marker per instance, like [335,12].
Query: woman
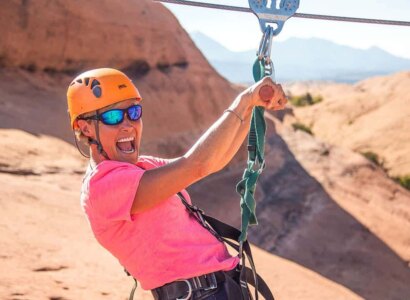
[131,201]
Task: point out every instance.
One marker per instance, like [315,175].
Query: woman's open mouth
[126,145]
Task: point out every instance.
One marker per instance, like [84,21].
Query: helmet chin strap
[97,141]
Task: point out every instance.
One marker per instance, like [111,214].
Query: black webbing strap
[134,287]
[133,290]
[223,232]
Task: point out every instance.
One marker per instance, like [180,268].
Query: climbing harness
[230,235]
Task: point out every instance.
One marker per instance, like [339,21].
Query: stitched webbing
[223,232]
[256,160]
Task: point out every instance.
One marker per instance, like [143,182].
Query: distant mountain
[303,59]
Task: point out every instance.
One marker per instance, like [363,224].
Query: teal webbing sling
[268,15]
[256,161]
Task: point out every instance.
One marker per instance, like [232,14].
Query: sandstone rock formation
[61,36]
[372,115]
[47,42]
[326,208]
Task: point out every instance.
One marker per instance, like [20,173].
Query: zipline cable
[297,15]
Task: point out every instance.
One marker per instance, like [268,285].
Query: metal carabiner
[264,51]
[263,43]
[265,46]
[278,16]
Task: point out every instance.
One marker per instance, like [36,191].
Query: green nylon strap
[256,160]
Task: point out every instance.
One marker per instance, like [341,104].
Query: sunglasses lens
[134,112]
[112,117]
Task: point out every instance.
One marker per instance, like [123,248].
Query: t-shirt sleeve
[113,188]
[151,162]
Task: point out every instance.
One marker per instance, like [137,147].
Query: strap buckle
[213,284]
[189,290]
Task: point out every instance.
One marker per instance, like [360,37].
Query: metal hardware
[189,291]
[278,16]
[213,282]
[240,251]
[296,15]
[265,49]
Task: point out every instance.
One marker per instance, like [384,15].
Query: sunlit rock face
[45,44]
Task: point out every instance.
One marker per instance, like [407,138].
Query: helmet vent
[122,86]
[95,87]
[86,80]
[94,83]
[72,83]
[79,80]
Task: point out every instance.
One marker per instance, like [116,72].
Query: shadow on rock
[300,221]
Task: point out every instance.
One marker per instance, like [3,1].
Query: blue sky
[240,31]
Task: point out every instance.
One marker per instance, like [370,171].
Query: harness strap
[225,232]
[133,290]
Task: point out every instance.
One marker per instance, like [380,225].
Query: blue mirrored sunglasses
[116,116]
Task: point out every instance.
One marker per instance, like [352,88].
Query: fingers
[281,100]
[266,92]
[270,95]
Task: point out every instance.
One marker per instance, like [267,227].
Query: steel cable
[296,15]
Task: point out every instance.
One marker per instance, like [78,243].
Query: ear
[86,128]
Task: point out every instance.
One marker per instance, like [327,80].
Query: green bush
[373,157]
[305,100]
[302,127]
[404,181]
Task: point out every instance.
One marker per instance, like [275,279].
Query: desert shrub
[404,181]
[305,100]
[302,127]
[373,157]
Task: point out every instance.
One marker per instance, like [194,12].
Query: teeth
[128,152]
[130,139]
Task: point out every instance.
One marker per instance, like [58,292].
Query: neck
[95,156]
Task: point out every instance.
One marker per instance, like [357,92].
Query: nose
[126,123]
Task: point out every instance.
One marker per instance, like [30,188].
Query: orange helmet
[95,89]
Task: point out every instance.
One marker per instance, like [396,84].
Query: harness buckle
[213,284]
[201,219]
[189,290]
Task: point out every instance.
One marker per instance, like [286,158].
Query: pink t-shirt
[160,245]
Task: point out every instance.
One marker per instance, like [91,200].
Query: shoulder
[150,162]
[110,172]
[108,166]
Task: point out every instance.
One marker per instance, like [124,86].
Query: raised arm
[213,150]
